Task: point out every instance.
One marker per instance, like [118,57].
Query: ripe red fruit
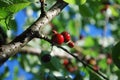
[58,38]
[66,36]
[71,69]
[66,62]
[71,44]
[109,59]
[96,68]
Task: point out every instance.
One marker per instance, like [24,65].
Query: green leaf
[3,13]
[114,12]
[78,76]
[90,52]
[51,77]
[70,1]
[103,65]
[78,2]
[94,76]
[116,54]
[118,74]
[74,30]
[16,7]
[12,24]
[89,42]
[85,10]
[3,25]
[54,64]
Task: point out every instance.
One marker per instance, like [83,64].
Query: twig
[10,49]
[43,13]
[83,62]
[80,60]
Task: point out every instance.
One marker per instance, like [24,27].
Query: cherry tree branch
[76,57]
[6,51]
[30,50]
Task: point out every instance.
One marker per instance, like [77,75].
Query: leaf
[70,1]
[102,64]
[94,76]
[12,24]
[16,7]
[85,10]
[72,28]
[3,13]
[78,2]
[114,12]
[51,77]
[54,64]
[78,76]
[116,54]
[118,74]
[89,42]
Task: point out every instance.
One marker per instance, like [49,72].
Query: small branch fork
[78,59]
[43,13]
[14,46]
[10,49]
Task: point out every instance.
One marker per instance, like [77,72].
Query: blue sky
[20,19]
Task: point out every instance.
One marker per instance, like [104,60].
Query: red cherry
[66,36]
[58,38]
[71,44]
[71,69]
[109,60]
[96,68]
[66,62]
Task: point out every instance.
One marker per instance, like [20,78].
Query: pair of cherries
[60,38]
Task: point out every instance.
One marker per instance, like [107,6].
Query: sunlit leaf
[16,7]
[89,42]
[79,2]
[114,12]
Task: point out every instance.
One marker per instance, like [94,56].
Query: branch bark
[6,51]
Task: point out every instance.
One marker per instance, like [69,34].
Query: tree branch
[76,57]
[6,51]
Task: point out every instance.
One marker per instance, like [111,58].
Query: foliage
[93,26]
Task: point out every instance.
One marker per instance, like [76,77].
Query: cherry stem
[80,60]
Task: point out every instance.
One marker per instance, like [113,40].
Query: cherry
[109,59]
[71,44]
[66,62]
[58,38]
[66,36]
[71,69]
[46,58]
[96,68]
[92,61]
